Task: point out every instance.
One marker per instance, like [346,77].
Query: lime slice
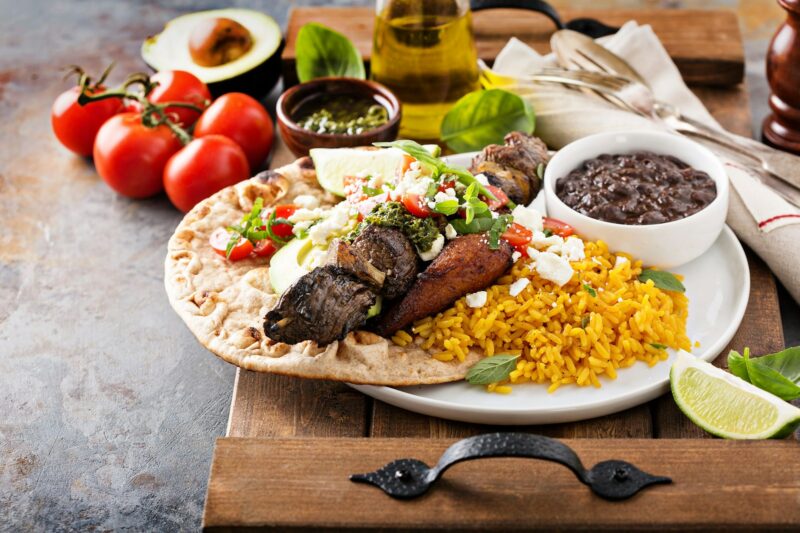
[333,164]
[727,406]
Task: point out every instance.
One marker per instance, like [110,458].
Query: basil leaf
[484,117]
[448,207]
[662,280]
[588,288]
[477,225]
[777,373]
[321,52]
[492,369]
[737,366]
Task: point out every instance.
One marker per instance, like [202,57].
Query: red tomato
[522,249]
[265,248]
[131,157]
[501,197]
[443,186]
[76,126]
[559,228]
[417,205]
[406,164]
[517,235]
[180,86]
[203,167]
[242,119]
[282,211]
[219,242]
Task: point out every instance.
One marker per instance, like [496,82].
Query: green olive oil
[429,61]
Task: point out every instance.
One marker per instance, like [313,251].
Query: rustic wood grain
[303,483]
[709,53]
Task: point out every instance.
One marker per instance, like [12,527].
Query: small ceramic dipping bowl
[664,245]
[300,140]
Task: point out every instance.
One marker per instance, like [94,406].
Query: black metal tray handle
[591,27]
[409,478]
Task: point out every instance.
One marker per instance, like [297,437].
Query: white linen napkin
[758,215]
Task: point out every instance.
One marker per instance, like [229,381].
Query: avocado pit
[217,41]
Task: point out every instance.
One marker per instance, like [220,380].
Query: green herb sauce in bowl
[340,114]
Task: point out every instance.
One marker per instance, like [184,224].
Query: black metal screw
[403,475]
[620,474]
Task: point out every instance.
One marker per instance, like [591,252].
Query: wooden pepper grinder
[782,128]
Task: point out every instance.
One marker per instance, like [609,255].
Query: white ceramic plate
[718,286]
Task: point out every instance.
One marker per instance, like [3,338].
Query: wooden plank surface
[706,53]
[266,483]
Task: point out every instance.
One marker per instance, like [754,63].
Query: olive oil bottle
[424,51]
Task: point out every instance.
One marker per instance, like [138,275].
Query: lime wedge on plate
[727,406]
[333,164]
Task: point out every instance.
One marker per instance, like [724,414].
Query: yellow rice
[564,335]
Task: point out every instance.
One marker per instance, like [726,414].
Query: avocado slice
[255,72]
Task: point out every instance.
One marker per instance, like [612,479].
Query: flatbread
[223,303]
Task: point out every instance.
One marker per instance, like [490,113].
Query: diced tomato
[282,230]
[407,160]
[522,249]
[417,205]
[219,242]
[443,186]
[501,198]
[353,189]
[517,235]
[562,229]
[265,248]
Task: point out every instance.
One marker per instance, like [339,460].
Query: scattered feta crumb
[476,299]
[434,250]
[316,257]
[337,219]
[528,217]
[540,240]
[553,268]
[518,286]
[620,261]
[300,227]
[451,192]
[533,252]
[554,305]
[482,179]
[554,249]
[573,249]
[515,257]
[619,300]
[600,289]
[441,197]
[306,201]
[450,232]
[303,214]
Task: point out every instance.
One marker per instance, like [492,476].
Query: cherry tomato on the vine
[203,167]
[179,86]
[76,126]
[219,242]
[242,119]
[131,157]
[417,205]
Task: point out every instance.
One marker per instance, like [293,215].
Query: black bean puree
[639,188]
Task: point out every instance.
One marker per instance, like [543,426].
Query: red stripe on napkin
[773,219]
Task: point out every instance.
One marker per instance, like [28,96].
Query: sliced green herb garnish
[447,207]
[585,321]
[659,346]
[777,373]
[662,280]
[547,232]
[249,228]
[369,191]
[588,288]
[477,225]
[492,369]
[499,226]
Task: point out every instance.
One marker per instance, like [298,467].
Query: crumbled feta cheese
[306,201]
[306,214]
[495,214]
[451,192]
[300,227]
[554,305]
[620,261]
[554,249]
[337,219]
[482,179]
[476,299]
[316,257]
[441,197]
[572,249]
[518,286]
[434,250]
[412,183]
[515,257]
[541,241]
[450,232]
[619,300]
[528,217]
[533,252]
[553,268]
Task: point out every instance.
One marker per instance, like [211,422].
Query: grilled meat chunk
[513,166]
[323,305]
[347,257]
[389,250]
[466,265]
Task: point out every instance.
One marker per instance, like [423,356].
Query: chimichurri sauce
[340,113]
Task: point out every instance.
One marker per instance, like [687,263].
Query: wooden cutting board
[705,45]
[291,443]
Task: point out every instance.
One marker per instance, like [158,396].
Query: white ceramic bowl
[664,245]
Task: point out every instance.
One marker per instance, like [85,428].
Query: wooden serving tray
[291,443]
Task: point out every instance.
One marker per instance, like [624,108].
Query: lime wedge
[727,406]
[333,164]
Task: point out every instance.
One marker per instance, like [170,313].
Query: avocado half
[254,73]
